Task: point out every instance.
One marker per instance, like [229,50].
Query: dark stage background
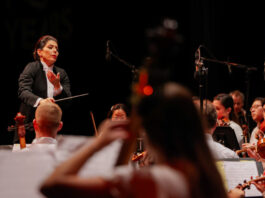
[229,31]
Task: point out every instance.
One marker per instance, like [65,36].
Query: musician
[184,166]
[218,150]
[257,115]
[41,79]
[47,123]
[240,112]
[118,111]
[225,114]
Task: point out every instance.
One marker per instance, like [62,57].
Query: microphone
[108,53]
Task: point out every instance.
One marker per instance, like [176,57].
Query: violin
[247,184]
[138,156]
[21,129]
[262,126]
[223,122]
[261,129]
[261,141]
[259,147]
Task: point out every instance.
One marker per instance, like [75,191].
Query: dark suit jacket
[33,84]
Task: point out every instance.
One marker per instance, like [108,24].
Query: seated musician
[218,150]
[118,111]
[240,112]
[257,115]
[47,123]
[174,133]
[225,114]
[140,157]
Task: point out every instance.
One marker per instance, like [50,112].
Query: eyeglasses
[255,107]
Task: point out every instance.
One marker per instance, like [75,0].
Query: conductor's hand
[54,79]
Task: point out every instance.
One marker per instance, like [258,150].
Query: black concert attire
[33,85]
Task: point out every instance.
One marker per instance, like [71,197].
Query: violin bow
[94,124]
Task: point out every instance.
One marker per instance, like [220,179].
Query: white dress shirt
[253,139]
[51,92]
[218,150]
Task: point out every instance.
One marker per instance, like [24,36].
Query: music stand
[226,136]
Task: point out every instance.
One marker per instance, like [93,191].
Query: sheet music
[102,162]
[21,173]
[235,172]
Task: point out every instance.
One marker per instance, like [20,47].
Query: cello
[21,129]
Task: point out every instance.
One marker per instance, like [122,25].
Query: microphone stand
[202,76]
[132,67]
[230,63]
[241,66]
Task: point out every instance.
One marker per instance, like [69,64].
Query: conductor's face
[49,53]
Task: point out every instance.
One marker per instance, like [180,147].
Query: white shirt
[37,143]
[51,92]
[43,143]
[218,150]
[44,140]
[253,139]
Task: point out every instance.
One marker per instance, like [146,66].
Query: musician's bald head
[48,117]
